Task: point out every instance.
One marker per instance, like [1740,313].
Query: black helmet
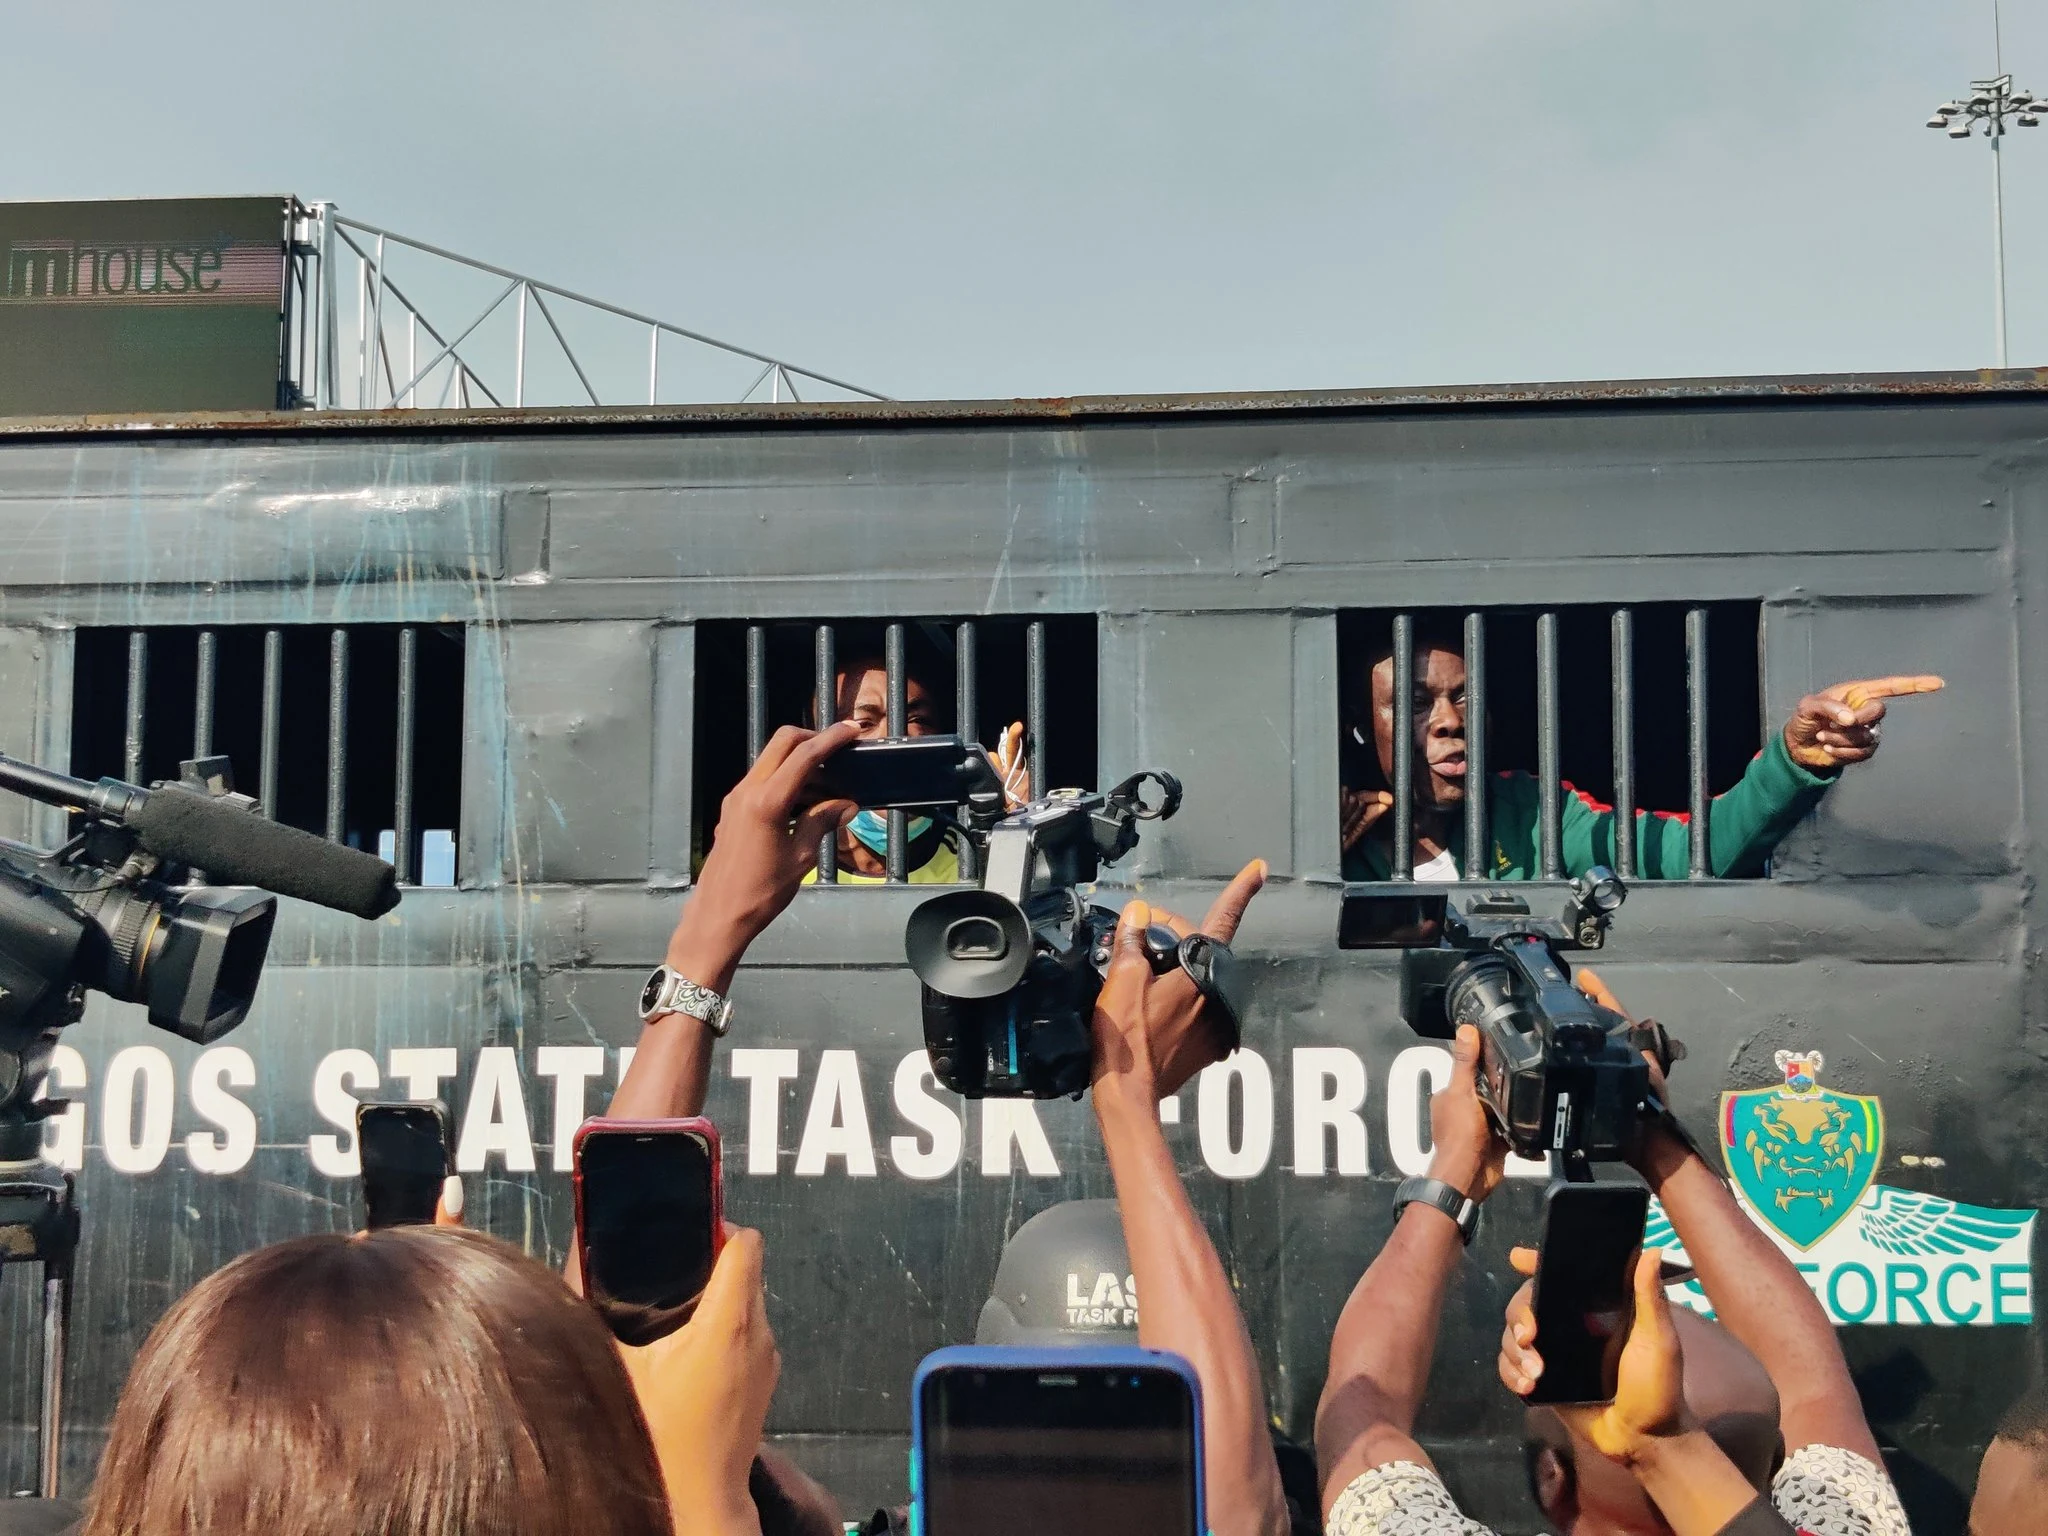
[1065,1278]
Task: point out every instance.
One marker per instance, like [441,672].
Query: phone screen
[1585,1291]
[1086,1452]
[405,1160]
[923,770]
[648,1228]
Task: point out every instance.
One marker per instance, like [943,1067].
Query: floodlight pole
[1998,238]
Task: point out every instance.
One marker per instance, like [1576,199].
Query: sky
[945,200]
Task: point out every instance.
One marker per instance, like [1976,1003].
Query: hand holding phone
[1583,1301]
[908,772]
[649,1221]
[1100,1441]
[404,1151]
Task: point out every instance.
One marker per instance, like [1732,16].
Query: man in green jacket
[1829,729]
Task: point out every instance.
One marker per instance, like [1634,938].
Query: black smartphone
[1585,1288]
[906,772]
[1087,1442]
[649,1221]
[405,1158]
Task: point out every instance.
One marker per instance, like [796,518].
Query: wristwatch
[1435,1192]
[669,991]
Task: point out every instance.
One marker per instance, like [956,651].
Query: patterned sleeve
[1399,1499]
[1827,1491]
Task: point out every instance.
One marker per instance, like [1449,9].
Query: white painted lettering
[1418,1072]
[1007,1123]
[128,1150]
[423,1068]
[64,1135]
[212,1075]
[494,1120]
[931,1115]
[571,1066]
[338,1072]
[837,1125]
[1246,1159]
[764,1072]
[1329,1093]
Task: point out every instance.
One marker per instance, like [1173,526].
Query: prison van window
[1646,707]
[975,676]
[351,732]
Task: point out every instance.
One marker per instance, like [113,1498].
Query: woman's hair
[415,1380]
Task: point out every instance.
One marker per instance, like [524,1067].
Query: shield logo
[1802,1154]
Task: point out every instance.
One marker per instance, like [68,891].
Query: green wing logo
[1913,1225]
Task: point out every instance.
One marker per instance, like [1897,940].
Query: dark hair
[414,1380]
[2026,1421]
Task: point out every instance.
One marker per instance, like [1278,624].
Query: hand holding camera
[1155,1030]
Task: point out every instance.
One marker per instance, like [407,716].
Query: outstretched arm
[1151,1035]
[1386,1335]
[766,842]
[1758,1295]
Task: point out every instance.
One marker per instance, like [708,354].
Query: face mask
[871,830]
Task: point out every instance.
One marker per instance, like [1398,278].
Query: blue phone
[1093,1441]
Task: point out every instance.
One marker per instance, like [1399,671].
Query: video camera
[1561,1076]
[122,908]
[1011,971]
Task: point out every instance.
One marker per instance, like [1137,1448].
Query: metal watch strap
[669,991]
[1453,1202]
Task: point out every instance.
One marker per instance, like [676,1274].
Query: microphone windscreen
[235,846]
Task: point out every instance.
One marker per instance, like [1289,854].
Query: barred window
[352,732]
[1652,708]
[976,676]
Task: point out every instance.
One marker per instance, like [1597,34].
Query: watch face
[651,993]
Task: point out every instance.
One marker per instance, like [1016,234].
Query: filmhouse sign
[1804,1158]
[44,271]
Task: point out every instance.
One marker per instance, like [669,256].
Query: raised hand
[704,1391]
[1154,1031]
[1360,810]
[1841,724]
[1012,766]
[1466,1152]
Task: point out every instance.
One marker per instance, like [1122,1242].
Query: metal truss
[398,359]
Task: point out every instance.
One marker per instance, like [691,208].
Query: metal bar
[489,310]
[1477,849]
[825,710]
[412,352]
[402,762]
[50,1420]
[328,374]
[894,643]
[138,688]
[427,325]
[1621,643]
[1404,746]
[749,390]
[377,323]
[519,351]
[1034,703]
[1696,735]
[967,718]
[757,690]
[362,326]
[273,718]
[610,309]
[563,342]
[337,734]
[202,694]
[1549,783]
[653,364]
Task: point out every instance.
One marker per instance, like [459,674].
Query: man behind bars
[1829,729]
[932,851]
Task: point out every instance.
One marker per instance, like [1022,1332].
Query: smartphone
[650,1220]
[405,1159]
[1585,1288]
[910,771]
[1103,1441]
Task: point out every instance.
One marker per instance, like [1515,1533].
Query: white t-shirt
[1442,867]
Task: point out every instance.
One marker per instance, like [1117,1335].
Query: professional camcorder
[1561,1076]
[1011,971]
[123,908]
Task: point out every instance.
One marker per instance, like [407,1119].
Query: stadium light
[1986,109]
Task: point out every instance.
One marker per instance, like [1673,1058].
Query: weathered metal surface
[1884,524]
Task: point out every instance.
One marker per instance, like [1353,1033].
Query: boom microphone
[237,848]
